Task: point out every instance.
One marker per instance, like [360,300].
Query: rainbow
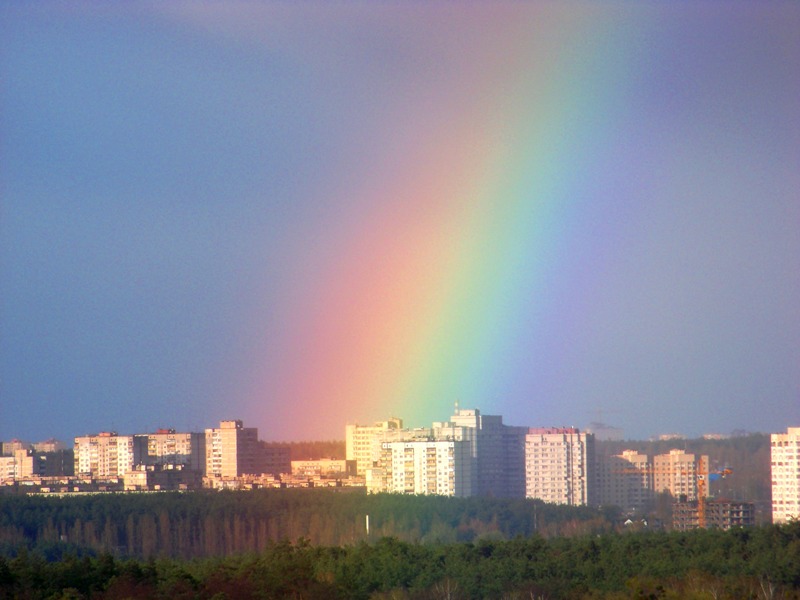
[451,250]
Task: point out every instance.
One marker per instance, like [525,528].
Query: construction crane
[702,476]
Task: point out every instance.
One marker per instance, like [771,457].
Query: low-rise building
[326,467]
[162,477]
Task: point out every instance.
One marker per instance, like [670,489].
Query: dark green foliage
[192,525]
[701,564]
[313,544]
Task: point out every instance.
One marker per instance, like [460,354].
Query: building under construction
[719,514]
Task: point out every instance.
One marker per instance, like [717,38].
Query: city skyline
[308,215]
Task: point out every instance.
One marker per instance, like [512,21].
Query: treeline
[761,563]
[204,524]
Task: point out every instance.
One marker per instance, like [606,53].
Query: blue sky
[176,180]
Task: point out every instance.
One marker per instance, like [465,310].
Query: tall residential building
[168,447]
[442,467]
[559,465]
[9,448]
[785,459]
[232,450]
[497,449]
[677,473]
[22,465]
[625,480]
[8,465]
[274,458]
[363,442]
[103,456]
[49,445]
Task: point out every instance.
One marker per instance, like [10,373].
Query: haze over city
[304,215]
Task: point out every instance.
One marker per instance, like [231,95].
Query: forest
[314,543]
[208,524]
[760,563]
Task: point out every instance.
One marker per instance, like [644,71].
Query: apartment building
[442,467]
[232,450]
[168,447]
[363,442]
[785,469]
[324,467]
[104,456]
[677,473]
[49,445]
[9,448]
[559,464]
[274,459]
[8,465]
[498,451]
[625,480]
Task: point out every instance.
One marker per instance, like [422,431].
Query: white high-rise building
[103,456]
[497,449]
[785,463]
[441,467]
[677,473]
[363,442]
[559,465]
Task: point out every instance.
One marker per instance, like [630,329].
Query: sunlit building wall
[559,465]
[677,472]
[363,442]
[439,467]
[785,467]
[232,450]
[103,456]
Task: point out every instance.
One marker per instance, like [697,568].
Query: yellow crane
[702,476]
[701,473]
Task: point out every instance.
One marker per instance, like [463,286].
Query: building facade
[719,514]
[625,480]
[498,451]
[559,465]
[274,459]
[677,473]
[785,470]
[441,467]
[324,467]
[232,450]
[168,447]
[104,456]
[363,442]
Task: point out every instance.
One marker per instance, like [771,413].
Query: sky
[304,215]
